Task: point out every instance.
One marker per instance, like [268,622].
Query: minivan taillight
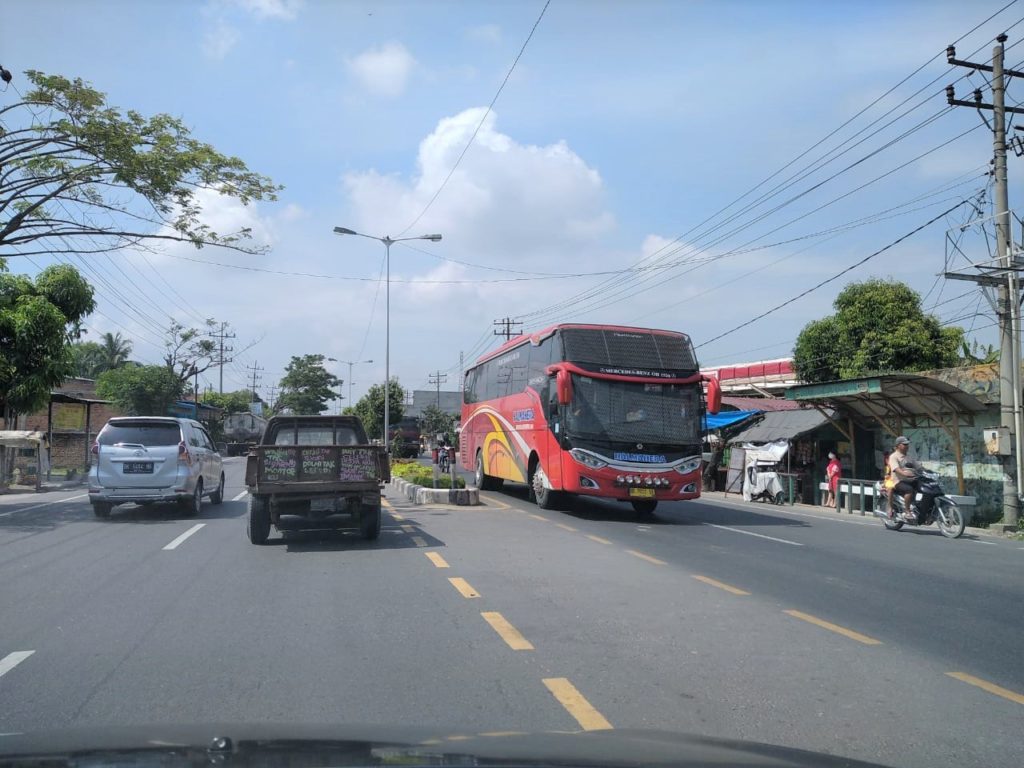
[184,457]
[96,448]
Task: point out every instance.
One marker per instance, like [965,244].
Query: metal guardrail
[852,487]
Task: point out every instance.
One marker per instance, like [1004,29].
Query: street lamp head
[344,231]
[431,238]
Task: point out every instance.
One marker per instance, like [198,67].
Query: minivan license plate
[138,467]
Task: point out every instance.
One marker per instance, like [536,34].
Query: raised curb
[417,494]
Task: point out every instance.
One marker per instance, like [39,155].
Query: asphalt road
[799,628]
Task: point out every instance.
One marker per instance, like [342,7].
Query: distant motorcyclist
[903,475]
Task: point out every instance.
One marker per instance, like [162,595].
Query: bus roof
[543,334]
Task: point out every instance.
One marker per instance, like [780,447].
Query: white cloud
[484,33]
[294,212]
[384,70]
[271,9]
[219,39]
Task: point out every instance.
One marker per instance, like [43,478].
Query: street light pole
[388,241]
[349,363]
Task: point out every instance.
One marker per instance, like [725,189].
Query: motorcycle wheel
[950,519]
[892,525]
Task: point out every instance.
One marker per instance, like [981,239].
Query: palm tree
[115,350]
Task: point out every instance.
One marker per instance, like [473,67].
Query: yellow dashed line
[408,528]
[436,559]
[386,504]
[648,558]
[463,586]
[503,733]
[577,706]
[508,633]
[458,738]
[834,628]
[538,517]
[565,527]
[496,503]
[419,541]
[598,539]
[992,688]
[721,585]
[397,516]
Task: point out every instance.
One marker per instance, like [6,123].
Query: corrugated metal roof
[760,403]
[782,425]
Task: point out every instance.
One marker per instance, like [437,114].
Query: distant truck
[242,431]
[407,431]
[315,471]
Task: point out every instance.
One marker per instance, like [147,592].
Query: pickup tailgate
[297,468]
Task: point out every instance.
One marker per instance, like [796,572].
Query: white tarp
[21,438]
[759,470]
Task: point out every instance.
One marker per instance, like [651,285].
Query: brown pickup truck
[319,469]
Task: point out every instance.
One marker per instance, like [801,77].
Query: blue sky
[624,126]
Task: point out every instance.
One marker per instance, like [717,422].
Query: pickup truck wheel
[369,523]
[194,505]
[259,519]
[218,496]
[101,509]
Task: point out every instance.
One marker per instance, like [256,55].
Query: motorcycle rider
[904,476]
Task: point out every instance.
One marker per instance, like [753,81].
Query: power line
[482,119]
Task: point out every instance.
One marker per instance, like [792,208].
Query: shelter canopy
[783,425]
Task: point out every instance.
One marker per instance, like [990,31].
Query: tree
[39,320]
[878,326]
[115,350]
[434,422]
[87,359]
[307,386]
[80,176]
[91,358]
[231,402]
[190,351]
[141,390]
[370,408]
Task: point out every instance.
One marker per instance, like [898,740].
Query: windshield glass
[140,433]
[634,412]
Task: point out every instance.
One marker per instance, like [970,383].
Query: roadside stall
[23,458]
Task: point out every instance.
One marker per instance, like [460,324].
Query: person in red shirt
[832,472]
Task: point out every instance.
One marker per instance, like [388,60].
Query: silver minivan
[145,459]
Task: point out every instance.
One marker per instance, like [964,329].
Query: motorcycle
[929,505]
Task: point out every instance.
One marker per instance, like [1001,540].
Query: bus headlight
[691,464]
[587,459]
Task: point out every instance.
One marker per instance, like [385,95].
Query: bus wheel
[544,497]
[644,506]
[484,481]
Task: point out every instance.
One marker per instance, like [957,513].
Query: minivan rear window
[141,432]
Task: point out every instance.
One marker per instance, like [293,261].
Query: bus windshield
[618,411]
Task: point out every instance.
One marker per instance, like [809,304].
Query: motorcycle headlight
[587,459]
[691,464]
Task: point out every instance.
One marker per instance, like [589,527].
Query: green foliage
[90,358]
[39,320]
[307,386]
[978,354]
[878,326]
[434,422]
[141,390]
[421,475]
[231,402]
[75,167]
[370,408]
[190,351]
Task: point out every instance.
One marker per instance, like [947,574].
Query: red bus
[593,410]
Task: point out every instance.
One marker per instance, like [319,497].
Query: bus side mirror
[563,381]
[714,396]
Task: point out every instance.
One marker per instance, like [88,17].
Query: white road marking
[11,660]
[174,544]
[990,543]
[241,496]
[751,533]
[44,504]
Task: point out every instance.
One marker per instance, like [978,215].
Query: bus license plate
[138,467]
[644,493]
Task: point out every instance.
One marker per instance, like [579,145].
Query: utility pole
[255,370]
[223,350]
[273,391]
[508,322]
[462,372]
[438,378]
[1003,277]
